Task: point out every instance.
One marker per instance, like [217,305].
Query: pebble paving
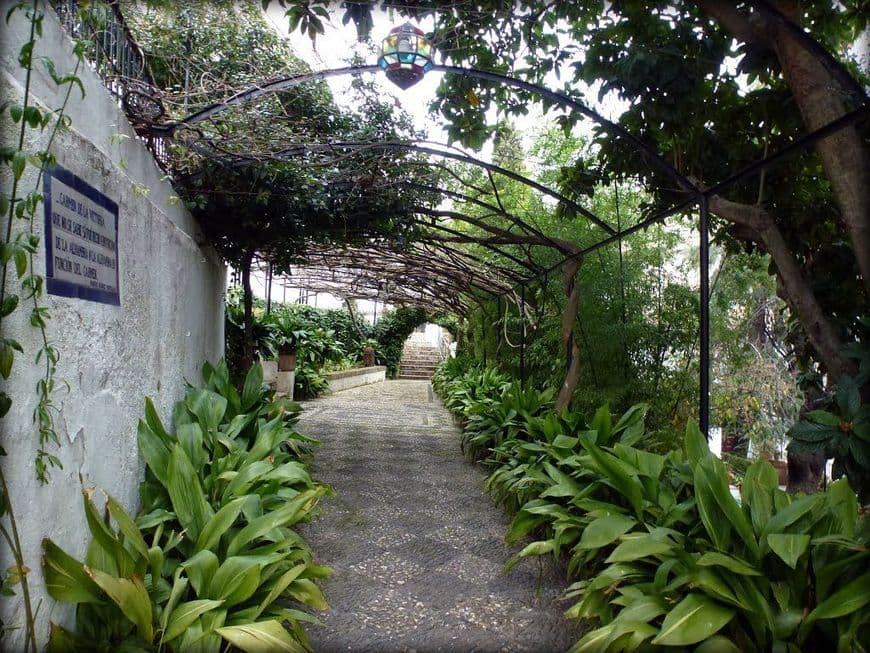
[416,545]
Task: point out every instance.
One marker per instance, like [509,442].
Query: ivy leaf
[5,405]
[8,305]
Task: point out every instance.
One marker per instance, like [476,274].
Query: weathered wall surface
[169,321]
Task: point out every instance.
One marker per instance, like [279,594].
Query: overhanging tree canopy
[671,60]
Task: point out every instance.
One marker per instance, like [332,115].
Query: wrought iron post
[522,336]
[704,273]
[269,289]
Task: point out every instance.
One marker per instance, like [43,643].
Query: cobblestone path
[416,545]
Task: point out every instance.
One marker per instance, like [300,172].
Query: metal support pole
[269,289]
[704,273]
[522,336]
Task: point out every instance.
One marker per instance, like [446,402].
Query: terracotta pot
[287,360]
[729,443]
[781,467]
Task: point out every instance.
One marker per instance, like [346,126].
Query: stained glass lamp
[406,55]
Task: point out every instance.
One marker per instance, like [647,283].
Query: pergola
[435,271]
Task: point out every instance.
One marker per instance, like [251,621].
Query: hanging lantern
[406,55]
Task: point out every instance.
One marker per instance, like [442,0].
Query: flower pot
[781,467]
[286,360]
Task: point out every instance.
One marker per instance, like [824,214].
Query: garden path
[416,545]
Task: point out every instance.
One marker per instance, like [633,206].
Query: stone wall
[347,379]
[170,319]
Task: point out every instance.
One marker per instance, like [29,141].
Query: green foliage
[213,548]
[665,554]
[843,433]
[391,331]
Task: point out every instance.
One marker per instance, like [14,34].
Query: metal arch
[411,146]
[284,83]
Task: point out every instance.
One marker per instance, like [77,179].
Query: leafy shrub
[665,556]
[391,332]
[843,433]
[212,549]
[309,382]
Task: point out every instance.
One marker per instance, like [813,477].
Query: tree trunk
[844,156]
[819,98]
[248,321]
[569,342]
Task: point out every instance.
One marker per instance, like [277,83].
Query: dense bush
[662,553]
[212,550]
[391,332]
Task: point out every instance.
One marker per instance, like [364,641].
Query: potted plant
[286,334]
[368,352]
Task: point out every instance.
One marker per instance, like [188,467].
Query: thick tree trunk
[248,321]
[820,100]
[569,342]
[796,291]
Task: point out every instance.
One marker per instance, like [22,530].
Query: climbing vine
[19,245]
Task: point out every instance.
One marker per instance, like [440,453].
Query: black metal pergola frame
[695,196]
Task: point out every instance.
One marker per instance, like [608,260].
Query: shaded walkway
[416,545]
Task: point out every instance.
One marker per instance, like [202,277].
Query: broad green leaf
[523,524]
[697,447]
[130,595]
[760,483]
[201,569]
[693,620]
[714,558]
[179,587]
[602,422]
[65,577]
[711,486]
[851,597]
[247,476]
[185,614]
[306,592]
[154,451]
[622,481]
[128,527]
[106,552]
[235,580]
[188,500]
[604,530]
[152,419]
[289,474]
[219,524]
[538,548]
[271,434]
[789,547]
[209,407]
[593,641]
[823,417]
[278,587]
[261,637]
[190,437]
[788,515]
[253,388]
[848,397]
[636,546]
[286,515]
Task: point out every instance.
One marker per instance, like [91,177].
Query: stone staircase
[418,362]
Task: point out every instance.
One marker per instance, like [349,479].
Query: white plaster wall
[170,320]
